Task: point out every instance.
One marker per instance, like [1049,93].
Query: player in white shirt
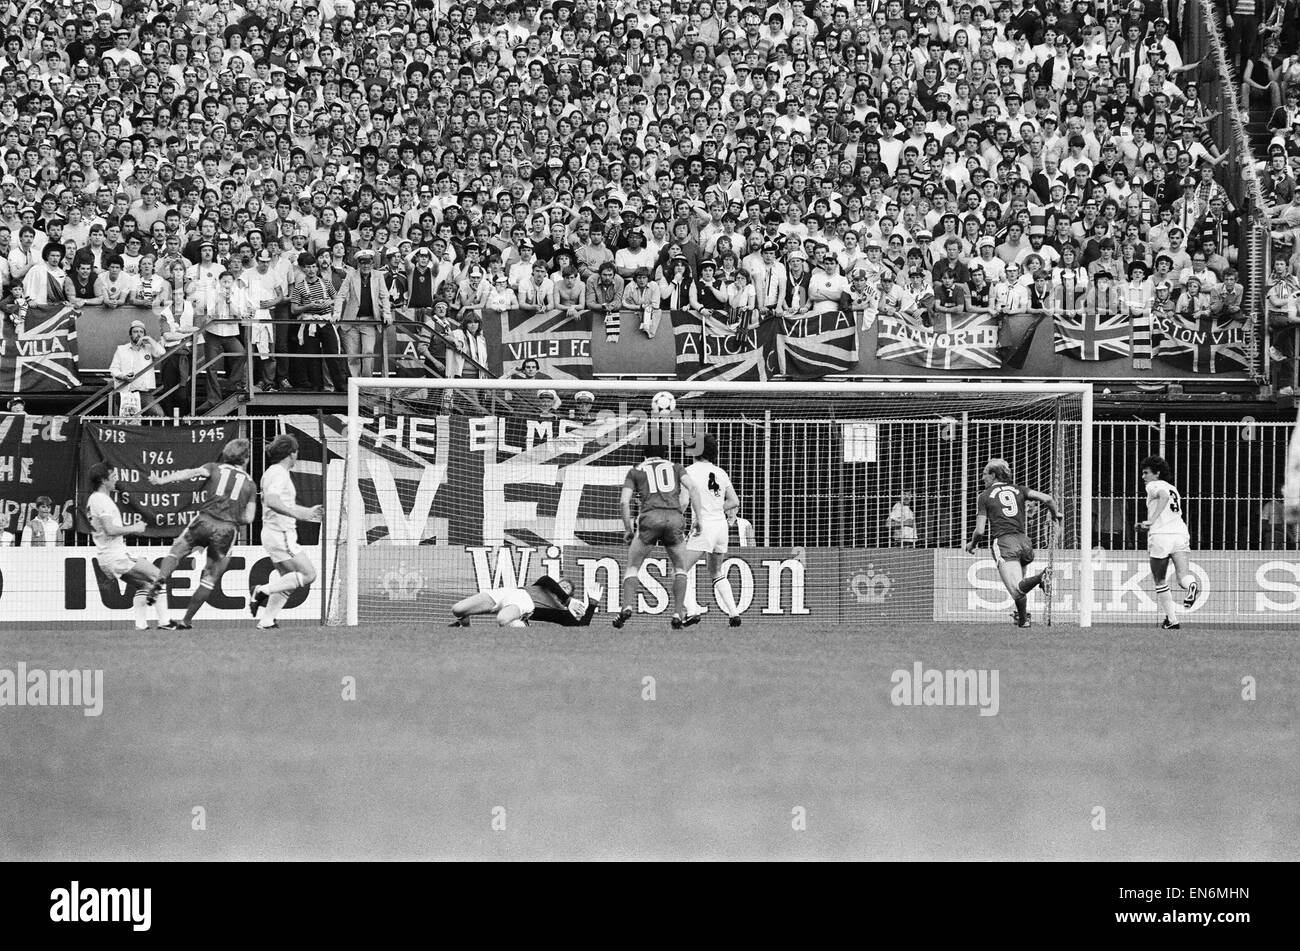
[280,517]
[1167,538]
[714,517]
[109,534]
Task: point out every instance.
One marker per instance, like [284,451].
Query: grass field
[747,724]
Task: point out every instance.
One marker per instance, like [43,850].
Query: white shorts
[281,544]
[710,537]
[1164,545]
[512,597]
[115,564]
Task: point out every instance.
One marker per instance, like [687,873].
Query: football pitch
[775,740]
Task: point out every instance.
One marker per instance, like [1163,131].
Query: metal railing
[382,357]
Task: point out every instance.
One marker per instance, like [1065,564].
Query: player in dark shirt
[1000,512]
[230,500]
[662,520]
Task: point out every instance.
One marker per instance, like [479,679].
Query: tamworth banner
[38,456]
[137,451]
[1022,346]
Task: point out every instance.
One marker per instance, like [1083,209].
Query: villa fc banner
[966,343]
[819,344]
[1200,346]
[40,355]
[558,340]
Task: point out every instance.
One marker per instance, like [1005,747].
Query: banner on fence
[66,585]
[136,452]
[1237,587]
[969,346]
[38,350]
[38,456]
[558,340]
[818,345]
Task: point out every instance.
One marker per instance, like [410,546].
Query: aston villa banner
[137,451]
[559,340]
[969,342]
[708,348]
[1201,346]
[819,344]
[39,352]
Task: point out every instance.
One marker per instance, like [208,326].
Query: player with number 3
[1001,511]
[230,500]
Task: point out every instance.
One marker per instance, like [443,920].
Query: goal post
[861,492]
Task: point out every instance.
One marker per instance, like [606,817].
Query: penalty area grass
[749,730]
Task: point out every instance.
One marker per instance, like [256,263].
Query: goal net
[855,499]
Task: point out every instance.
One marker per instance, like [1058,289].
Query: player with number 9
[230,500]
[662,521]
[1000,511]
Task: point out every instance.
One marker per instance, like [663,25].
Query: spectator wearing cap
[132,370]
[362,307]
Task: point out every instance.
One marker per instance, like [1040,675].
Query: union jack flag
[1093,336]
[40,353]
[967,343]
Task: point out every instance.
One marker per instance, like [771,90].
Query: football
[663,402]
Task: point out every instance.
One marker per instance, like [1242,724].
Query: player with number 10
[662,520]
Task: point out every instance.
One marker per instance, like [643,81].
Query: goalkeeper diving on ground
[545,600]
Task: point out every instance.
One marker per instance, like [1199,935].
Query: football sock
[1029,584]
[679,592]
[197,599]
[722,594]
[289,581]
[1165,598]
[1022,605]
[273,605]
[161,608]
[630,583]
[141,609]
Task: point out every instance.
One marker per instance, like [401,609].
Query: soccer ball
[663,402]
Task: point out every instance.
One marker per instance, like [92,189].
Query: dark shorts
[207,532]
[1010,548]
[661,526]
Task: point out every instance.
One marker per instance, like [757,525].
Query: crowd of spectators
[295,177]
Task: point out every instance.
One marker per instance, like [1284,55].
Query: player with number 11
[230,500]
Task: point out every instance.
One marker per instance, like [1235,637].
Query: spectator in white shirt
[44,530]
[133,365]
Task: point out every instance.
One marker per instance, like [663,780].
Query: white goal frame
[356,517]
